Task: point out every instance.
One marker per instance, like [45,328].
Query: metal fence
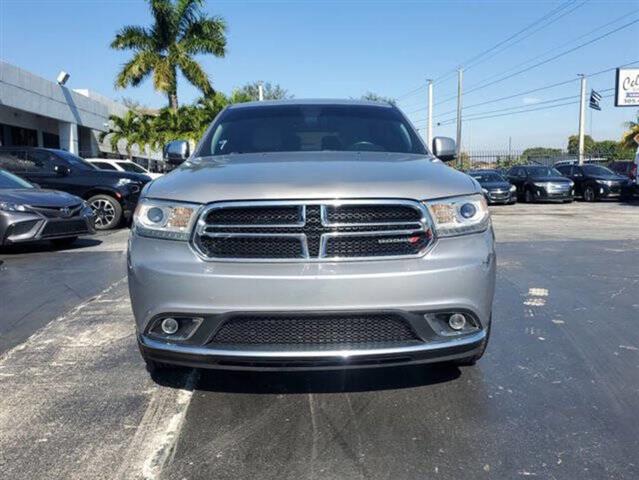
[503,159]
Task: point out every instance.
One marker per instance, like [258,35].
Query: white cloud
[530,100]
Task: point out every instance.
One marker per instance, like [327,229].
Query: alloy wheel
[104,212]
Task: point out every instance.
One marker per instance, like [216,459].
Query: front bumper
[21,227]
[541,193]
[501,197]
[166,278]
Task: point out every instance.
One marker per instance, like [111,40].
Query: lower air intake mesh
[308,329]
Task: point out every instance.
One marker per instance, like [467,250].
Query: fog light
[170,326]
[456,321]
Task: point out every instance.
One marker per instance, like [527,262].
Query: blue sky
[345,48]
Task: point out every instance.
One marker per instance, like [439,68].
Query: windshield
[543,172]
[75,161]
[131,167]
[311,128]
[8,180]
[487,177]
[597,170]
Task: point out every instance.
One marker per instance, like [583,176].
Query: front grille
[268,230]
[70,227]
[58,212]
[319,329]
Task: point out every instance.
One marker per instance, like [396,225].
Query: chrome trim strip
[317,354]
[201,228]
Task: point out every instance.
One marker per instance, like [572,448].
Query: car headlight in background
[86,209]
[513,188]
[459,215]
[13,207]
[132,185]
[163,219]
[605,182]
[484,191]
[545,185]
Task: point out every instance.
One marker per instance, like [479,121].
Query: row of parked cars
[561,183]
[50,194]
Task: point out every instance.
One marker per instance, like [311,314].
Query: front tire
[589,194]
[528,196]
[108,211]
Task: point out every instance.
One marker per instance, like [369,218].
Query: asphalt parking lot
[556,396]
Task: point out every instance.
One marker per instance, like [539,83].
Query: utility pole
[460,75]
[582,118]
[260,91]
[429,127]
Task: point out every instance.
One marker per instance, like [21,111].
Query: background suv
[111,195]
[593,182]
[538,183]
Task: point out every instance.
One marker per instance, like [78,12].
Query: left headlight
[459,215]
[13,207]
[513,188]
[164,219]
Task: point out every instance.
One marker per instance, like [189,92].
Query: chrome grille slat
[314,230]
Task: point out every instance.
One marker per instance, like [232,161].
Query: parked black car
[112,195]
[625,168]
[495,187]
[540,183]
[29,214]
[594,182]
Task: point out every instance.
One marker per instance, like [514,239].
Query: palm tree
[627,140]
[179,32]
[133,128]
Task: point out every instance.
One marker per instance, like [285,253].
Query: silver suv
[311,234]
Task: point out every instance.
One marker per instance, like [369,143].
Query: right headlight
[165,219]
[459,215]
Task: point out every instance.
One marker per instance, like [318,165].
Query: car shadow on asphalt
[45,246]
[326,381]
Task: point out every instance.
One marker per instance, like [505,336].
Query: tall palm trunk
[173,101]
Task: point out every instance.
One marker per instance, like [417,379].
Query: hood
[608,178]
[556,179]
[116,175]
[494,185]
[39,198]
[310,175]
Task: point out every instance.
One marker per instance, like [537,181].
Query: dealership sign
[627,87]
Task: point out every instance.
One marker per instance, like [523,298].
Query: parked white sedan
[121,166]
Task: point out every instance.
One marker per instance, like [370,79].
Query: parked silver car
[312,234]
[30,214]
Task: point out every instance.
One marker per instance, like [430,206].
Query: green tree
[627,141]
[250,93]
[179,32]
[573,144]
[374,97]
[133,128]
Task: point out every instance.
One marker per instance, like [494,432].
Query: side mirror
[61,170]
[444,148]
[177,151]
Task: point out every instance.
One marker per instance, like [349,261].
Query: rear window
[311,128]
[131,167]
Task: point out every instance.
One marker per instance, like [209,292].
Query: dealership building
[35,111]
